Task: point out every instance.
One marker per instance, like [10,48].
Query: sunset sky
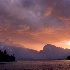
[35,23]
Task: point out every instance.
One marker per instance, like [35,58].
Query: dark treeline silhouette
[68,58]
[4,57]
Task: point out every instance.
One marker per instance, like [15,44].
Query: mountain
[8,42]
[49,51]
[52,52]
[18,51]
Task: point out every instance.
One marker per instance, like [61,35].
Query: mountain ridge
[49,52]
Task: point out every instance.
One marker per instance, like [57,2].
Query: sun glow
[68,43]
[64,44]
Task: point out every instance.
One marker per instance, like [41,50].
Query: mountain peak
[49,46]
[8,42]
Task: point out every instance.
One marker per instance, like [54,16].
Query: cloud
[35,21]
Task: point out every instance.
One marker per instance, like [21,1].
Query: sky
[34,23]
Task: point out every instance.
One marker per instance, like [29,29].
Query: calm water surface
[37,65]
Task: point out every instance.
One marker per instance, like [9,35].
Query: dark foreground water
[37,65]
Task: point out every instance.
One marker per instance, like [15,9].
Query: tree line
[5,57]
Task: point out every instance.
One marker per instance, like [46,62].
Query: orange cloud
[48,12]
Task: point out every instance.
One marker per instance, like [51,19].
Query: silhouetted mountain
[49,52]
[8,42]
[19,52]
[52,52]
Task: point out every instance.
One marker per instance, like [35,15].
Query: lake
[37,65]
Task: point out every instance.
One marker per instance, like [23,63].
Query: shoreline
[7,62]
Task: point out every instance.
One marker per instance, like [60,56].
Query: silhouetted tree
[68,58]
[4,57]
[5,52]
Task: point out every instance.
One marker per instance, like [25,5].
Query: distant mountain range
[49,51]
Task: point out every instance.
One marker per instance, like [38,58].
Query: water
[37,65]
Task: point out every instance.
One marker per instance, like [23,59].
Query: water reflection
[37,65]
